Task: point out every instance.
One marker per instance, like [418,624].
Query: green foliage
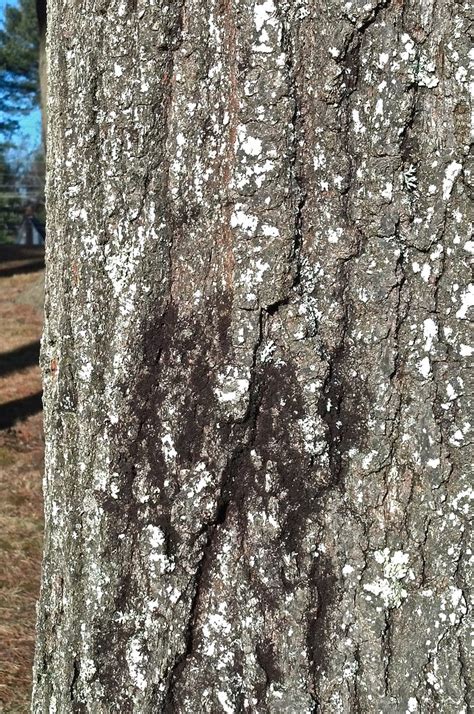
[19,81]
[21,175]
[10,201]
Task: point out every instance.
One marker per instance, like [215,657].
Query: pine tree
[19,48]
[10,200]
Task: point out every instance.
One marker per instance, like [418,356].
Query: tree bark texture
[255,358]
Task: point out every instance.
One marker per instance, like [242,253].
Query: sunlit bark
[255,358]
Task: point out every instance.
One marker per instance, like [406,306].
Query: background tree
[19,49]
[22,48]
[256,393]
[10,200]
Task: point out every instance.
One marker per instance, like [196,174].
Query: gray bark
[255,358]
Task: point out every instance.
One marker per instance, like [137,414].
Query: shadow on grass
[20,358]
[19,409]
[31,267]
[17,259]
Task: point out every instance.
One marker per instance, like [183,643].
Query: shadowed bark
[255,358]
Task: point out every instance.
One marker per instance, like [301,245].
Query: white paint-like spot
[388,191]
[167,447]
[118,71]
[310,432]
[224,702]
[135,663]
[426,272]
[379,108]
[450,175]
[424,367]
[467,301]
[334,52]
[383,59]
[246,221]
[430,331]
[347,569]
[367,460]
[270,231]
[451,392]
[409,178]
[85,372]
[253,275]
[334,234]
[433,463]
[466,350]
[425,75]
[252,146]
[412,705]
[232,385]
[359,128]
[157,538]
[388,587]
[267,351]
[461,75]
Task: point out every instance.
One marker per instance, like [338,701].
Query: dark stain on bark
[179,356]
[324,585]
[267,659]
[344,407]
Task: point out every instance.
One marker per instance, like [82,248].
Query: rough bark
[255,358]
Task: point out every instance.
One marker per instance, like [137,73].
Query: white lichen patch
[85,372]
[359,128]
[253,275]
[424,367]
[450,175]
[157,555]
[247,222]
[167,447]
[233,384]
[225,702]
[136,663]
[367,460]
[467,301]
[264,13]
[409,178]
[421,68]
[250,145]
[311,431]
[430,332]
[199,479]
[389,587]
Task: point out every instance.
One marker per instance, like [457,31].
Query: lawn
[21,466]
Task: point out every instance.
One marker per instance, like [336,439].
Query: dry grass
[21,518]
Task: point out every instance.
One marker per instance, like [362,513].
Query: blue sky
[29,134]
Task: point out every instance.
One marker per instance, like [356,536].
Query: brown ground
[21,463]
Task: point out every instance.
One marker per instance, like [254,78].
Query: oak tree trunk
[255,355]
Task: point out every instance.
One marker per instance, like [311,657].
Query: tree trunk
[255,358]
